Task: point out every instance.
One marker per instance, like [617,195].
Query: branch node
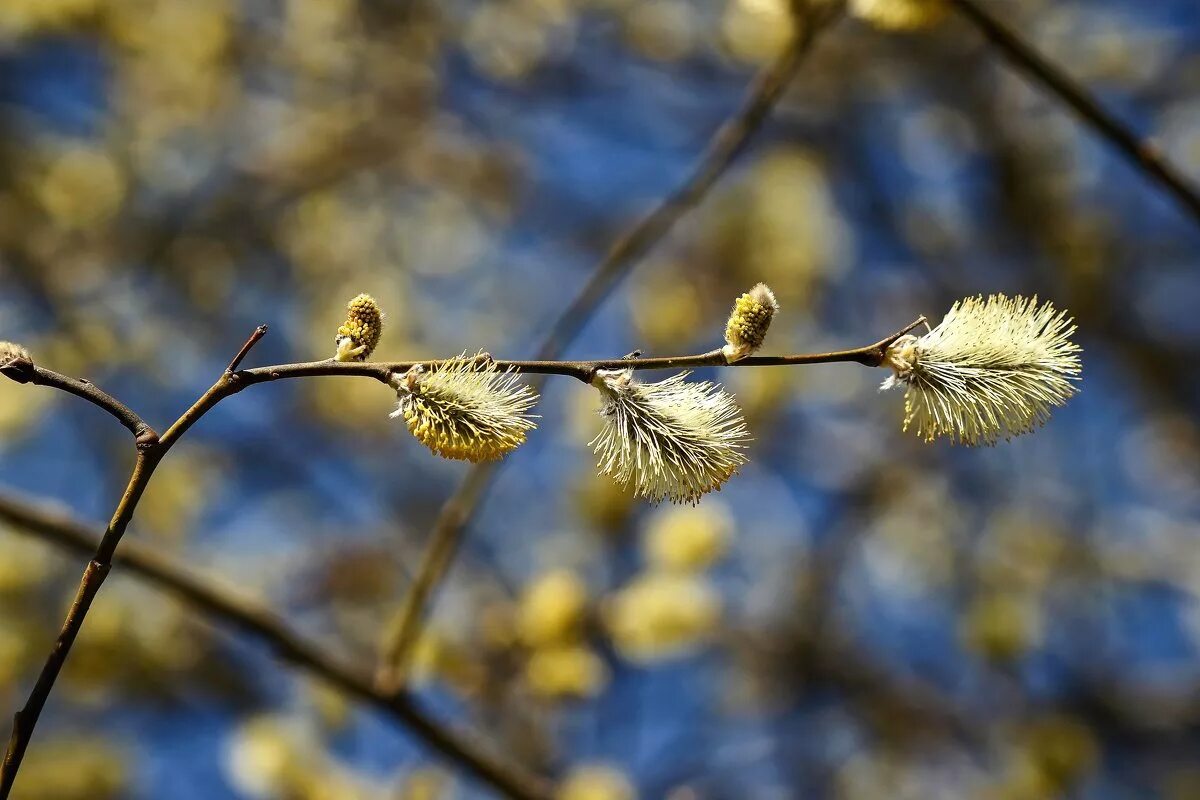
[146,439]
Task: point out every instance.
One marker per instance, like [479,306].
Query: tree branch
[870,355]
[261,623]
[22,370]
[151,450]
[1142,154]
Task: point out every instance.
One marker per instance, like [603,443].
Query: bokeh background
[857,615]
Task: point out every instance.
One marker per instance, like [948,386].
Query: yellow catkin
[466,408]
[359,334]
[748,322]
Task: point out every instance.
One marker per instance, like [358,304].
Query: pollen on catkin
[465,408]
[748,322]
[11,351]
[670,440]
[992,369]
[899,15]
[359,334]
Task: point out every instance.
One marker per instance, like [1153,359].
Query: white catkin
[670,440]
[992,369]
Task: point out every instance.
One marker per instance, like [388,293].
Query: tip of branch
[18,369]
[258,333]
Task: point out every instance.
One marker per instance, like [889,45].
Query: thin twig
[1141,153]
[150,450]
[25,720]
[260,622]
[583,370]
[725,146]
[258,333]
[22,370]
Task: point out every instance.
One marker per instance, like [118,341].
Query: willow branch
[730,140]
[26,719]
[22,370]
[150,450]
[1142,154]
[870,355]
[261,623]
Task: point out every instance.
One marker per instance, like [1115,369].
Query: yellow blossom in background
[16,652]
[664,30]
[660,615]
[26,562]
[74,768]
[1063,748]
[426,783]
[595,782]
[437,657]
[1001,626]
[899,15]
[688,538]
[81,188]
[754,31]
[562,671]
[664,306]
[601,503]
[330,706]
[131,635]
[552,608]
[22,17]
[268,754]
[183,485]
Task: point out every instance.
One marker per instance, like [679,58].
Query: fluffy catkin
[466,408]
[11,351]
[993,368]
[359,334]
[670,440]
[748,322]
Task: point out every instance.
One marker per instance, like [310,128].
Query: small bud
[360,333]
[899,15]
[991,369]
[747,326]
[465,408]
[670,440]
